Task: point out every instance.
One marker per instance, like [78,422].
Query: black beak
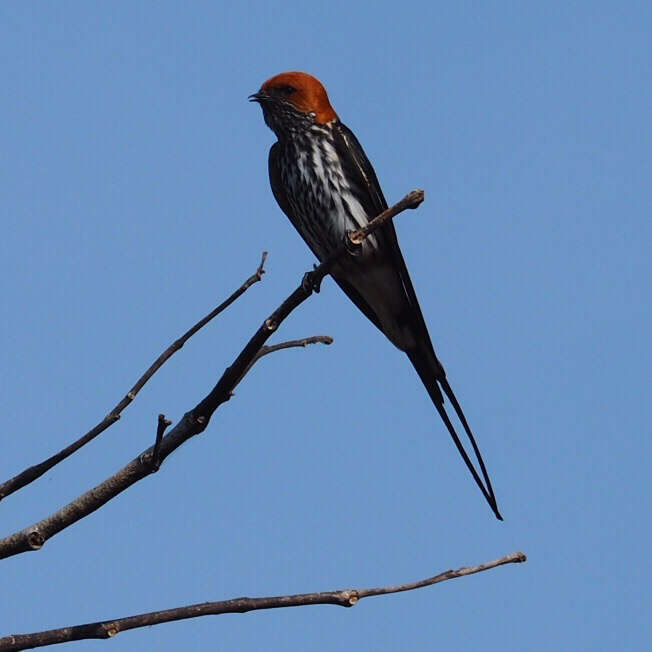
[257,97]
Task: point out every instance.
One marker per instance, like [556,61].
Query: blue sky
[135,197]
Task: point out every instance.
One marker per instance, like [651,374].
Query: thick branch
[342,598]
[34,472]
[196,420]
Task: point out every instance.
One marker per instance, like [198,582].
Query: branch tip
[155,459]
[293,344]
[261,267]
[415,198]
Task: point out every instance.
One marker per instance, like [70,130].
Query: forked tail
[433,376]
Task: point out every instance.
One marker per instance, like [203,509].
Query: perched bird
[323,181]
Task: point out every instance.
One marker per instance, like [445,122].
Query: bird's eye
[286,90]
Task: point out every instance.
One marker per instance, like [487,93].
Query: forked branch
[196,420]
[34,472]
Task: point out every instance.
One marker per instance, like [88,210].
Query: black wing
[360,172]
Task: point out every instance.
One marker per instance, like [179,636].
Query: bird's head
[292,102]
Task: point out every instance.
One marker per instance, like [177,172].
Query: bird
[323,181]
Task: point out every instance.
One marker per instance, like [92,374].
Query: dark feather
[278,189]
[371,196]
[361,174]
[364,184]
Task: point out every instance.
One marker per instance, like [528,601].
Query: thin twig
[355,238]
[162,424]
[291,344]
[34,472]
[193,422]
[411,200]
[342,598]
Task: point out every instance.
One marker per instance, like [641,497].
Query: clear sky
[134,198]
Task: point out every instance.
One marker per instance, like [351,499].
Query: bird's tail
[433,376]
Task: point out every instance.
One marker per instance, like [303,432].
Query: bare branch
[34,472]
[193,422]
[162,424]
[411,200]
[291,344]
[266,350]
[355,238]
[513,558]
[342,598]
